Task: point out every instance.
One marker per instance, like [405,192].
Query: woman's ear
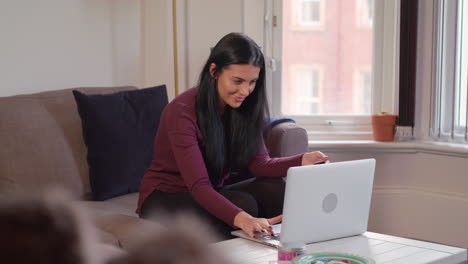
[212,70]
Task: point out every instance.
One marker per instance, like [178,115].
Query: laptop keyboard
[265,236]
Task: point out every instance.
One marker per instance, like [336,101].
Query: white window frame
[385,81]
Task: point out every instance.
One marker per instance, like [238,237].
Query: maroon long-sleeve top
[178,164]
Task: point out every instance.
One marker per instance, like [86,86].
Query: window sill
[432,147]
[339,136]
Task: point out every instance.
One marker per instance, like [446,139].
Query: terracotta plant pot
[383,127]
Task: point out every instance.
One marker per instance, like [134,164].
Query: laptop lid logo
[329,203]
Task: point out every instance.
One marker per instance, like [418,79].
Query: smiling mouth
[239,99]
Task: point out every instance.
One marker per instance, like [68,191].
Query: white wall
[54,44]
[157,44]
[126,37]
[202,23]
[57,44]
[418,192]
[206,25]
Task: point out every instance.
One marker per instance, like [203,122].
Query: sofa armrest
[286,139]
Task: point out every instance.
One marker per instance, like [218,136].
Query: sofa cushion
[119,131]
[116,218]
[128,230]
[286,139]
[107,238]
[41,141]
[124,204]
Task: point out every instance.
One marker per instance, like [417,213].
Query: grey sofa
[42,145]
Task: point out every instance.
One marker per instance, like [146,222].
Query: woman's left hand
[311,158]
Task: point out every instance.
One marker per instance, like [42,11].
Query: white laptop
[323,202]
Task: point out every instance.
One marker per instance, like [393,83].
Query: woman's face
[234,83]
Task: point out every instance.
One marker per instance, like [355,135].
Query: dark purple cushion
[119,131]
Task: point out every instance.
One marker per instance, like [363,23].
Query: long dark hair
[231,140]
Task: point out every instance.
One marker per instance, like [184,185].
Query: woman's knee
[243,200]
[159,204]
[270,185]
[269,192]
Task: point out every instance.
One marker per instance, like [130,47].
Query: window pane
[362,89]
[370,9]
[315,11]
[462,90]
[447,37]
[309,12]
[307,81]
[336,51]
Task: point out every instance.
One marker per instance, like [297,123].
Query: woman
[215,131]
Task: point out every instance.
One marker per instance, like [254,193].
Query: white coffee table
[381,248]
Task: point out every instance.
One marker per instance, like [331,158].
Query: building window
[449,105]
[307,14]
[362,90]
[305,95]
[364,13]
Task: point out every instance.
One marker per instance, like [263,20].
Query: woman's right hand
[250,224]
[311,158]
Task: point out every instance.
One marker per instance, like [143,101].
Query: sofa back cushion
[41,141]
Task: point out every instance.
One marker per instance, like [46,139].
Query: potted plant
[383,126]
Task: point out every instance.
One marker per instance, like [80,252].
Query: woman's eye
[237,82]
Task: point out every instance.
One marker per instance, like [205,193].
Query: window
[307,14]
[462,92]
[449,112]
[352,62]
[305,97]
[364,13]
[340,50]
[362,90]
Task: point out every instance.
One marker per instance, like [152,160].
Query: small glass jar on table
[288,251]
